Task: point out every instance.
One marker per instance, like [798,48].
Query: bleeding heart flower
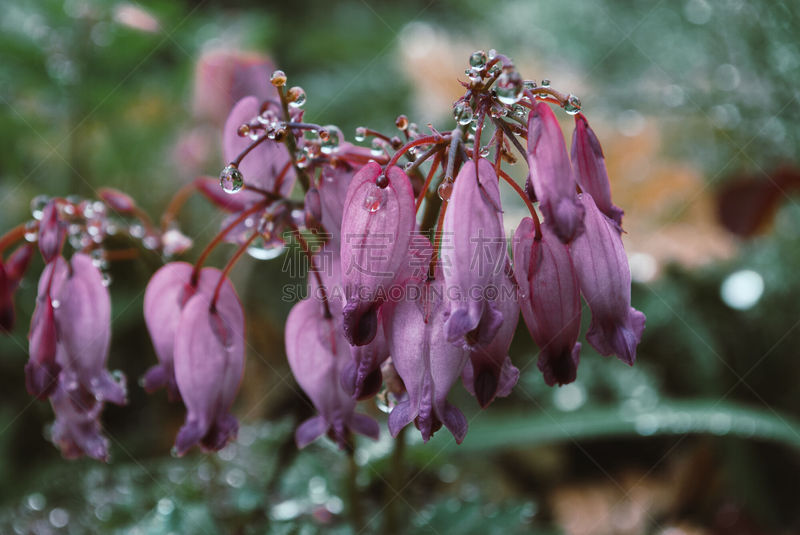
[605,282]
[549,298]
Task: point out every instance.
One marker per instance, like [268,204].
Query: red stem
[177,202]
[219,237]
[527,201]
[437,241]
[424,140]
[313,269]
[280,177]
[424,191]
[12,236]
[232,262]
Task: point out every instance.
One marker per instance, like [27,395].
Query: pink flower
[52,232]
[589,166]
[426,361]
[550,174]
[549,298]
[209,365]
[605,282]
[473,255]
[11,273]
[489,372]
[318,352]
[377,223]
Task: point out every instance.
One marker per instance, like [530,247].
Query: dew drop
[265,248]
[545,83]
[462,113]
[36,501]
[165,506]
[296,97]
[572,105]
[361,134]
[37,206]
[55,303]
[31,231]
[278,78]
[478,60]
[509,87]
[106,280]
[331,142]
[231,180]
[484,152]
[382,181]
[58,517]
[492,53]
[474,75]
[375,199]
[401,122]
[445,189]
[529,84]
[243,130]
[378,147]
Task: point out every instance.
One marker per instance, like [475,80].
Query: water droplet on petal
[572,105]
[243,130]
[375,198]
[529,84]
[31,231]
[265,248]
[378,147]
[231,180]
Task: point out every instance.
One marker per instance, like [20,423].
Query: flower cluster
[416,283]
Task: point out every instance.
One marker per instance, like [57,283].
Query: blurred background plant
[696,103]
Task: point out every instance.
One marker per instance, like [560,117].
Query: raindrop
[401,122]
[478,60]
[235,478]
[58,517]
[509,87]
[331,143]
[484,152]
[743,289]
[37,206]
[529,84]
[474,75]
[445,189]
[378,147]
[375,198]
[106,280]
[382,181]
[545,83]
[492,53]
[572,105]
[243,130]
[36,501]
[335,505]
[265,249]
[55,303]
[569,397]
[231,180]
[296,96]
[278,78]
[165,506]
[31,231]
[462,113]
[361,134]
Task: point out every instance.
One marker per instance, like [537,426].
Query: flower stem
[12,236]
[396,483]
[424,191]
[232,262]
[354,503]
[291,143]
[177,202]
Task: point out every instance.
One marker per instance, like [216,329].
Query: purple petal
[605,282]
[361,377]
[76,430]
[309,431]
[83,320]
[550,174]
[589,166]
[6,301]
[377,224]
[490,372]
[473,254]
[11,272]
[425,360]
[52,232]
[120,202]
[265,162]
[549,298]
[210,189]
[209,364]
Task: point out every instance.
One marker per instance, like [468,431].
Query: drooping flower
[209,365]
[42,369]
[550,175]
[318,352]
[589,166]
[164,299]
[473,255]
[377,223]
[426,361]
[489,372]
[549,298]
[83,321]
[605,282]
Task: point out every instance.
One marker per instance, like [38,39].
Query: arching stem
[227,269]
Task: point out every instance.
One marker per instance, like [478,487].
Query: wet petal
[52,232]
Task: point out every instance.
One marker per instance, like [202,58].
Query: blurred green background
[696,103]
